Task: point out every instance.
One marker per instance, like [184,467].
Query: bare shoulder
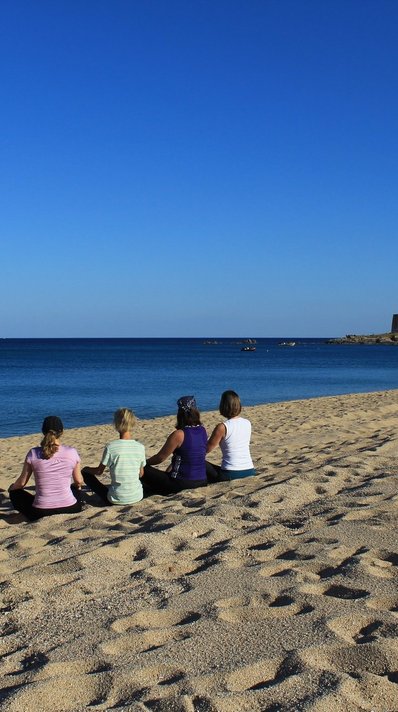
[177,436]
[220,429]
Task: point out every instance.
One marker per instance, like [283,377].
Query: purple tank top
[193,454]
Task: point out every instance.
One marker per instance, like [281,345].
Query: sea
[85,380]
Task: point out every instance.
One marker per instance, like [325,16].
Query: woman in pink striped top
[53,466]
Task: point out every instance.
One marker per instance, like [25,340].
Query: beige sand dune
[275,594]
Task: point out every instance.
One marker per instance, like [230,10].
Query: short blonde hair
[123,420]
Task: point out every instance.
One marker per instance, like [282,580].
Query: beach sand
[275,593]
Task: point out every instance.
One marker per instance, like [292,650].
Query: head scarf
[186,403]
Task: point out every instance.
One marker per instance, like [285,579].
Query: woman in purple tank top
[187,445]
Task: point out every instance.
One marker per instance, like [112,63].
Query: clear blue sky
[198,167]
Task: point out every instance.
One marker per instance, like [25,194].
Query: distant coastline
[85,380]
[388,338]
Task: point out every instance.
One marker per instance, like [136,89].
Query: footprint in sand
[264,674]
[65,566]
[294,523]
[359,515]
[341,569]
[337,591]
[256,608]
[173,570]
[389,558]
[260,552]
[295,555]
[68,694]
[378,659]
[362,628]
[381,563]
[275,568]
[346,593]
[154,618]
[146,689]
[384,603]
[279,572]
[143,642]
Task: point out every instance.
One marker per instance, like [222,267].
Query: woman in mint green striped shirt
[125,458]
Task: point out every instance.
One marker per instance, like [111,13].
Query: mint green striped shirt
[124,459]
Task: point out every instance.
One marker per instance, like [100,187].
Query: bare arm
[96,470]
[23,477]
[215,438]
[174,441]
[77,476]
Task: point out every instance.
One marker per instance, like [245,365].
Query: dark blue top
[193,454]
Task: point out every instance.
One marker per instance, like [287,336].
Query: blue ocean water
[85,380]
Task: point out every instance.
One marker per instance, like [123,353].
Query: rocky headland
[388,338]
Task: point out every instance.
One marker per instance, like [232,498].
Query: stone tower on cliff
[394,325]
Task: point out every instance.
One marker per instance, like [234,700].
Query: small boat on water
[248,348]
[287,343]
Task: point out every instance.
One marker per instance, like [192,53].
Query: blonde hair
[123,420]
[49,445]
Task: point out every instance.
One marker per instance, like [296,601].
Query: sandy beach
[277,593]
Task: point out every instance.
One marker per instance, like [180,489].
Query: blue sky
[207,168]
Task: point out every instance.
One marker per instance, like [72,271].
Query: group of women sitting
[59,479]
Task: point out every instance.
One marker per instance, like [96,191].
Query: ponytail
[52,429]
[49,444]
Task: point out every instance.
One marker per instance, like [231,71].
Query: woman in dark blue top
[187,445]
